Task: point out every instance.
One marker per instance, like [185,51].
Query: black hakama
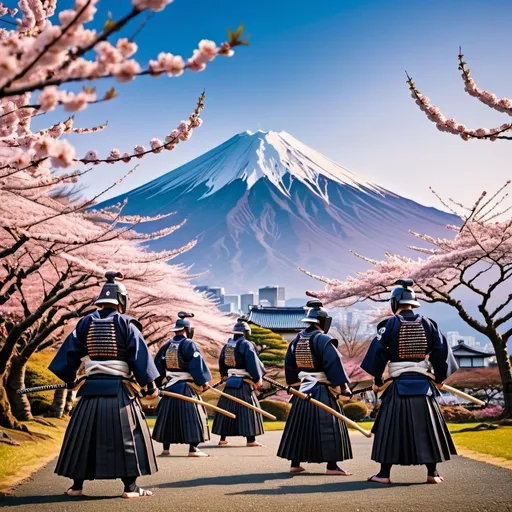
[410,430]
[181,422]
[107,438]
[312,434]
[247,423]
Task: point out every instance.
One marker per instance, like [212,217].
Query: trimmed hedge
[356,411]
[457,414]
[276,349]
[280,410]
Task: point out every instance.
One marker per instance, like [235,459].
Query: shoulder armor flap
[324,339]
[383,323]
[130,320]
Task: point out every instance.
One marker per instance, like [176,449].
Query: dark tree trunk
[70,400]
[20,404]
[503,360]
[59,403]
[7,419]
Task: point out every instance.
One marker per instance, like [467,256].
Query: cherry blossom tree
[451,125]
[474,267]
[53,249]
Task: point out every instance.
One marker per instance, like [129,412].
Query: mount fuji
[262,204]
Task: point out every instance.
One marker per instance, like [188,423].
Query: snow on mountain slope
[276,156]
[262,204]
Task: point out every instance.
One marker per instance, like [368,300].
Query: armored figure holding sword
[240,365]
[107,436]
[312,434]
[409,428]
[182,366]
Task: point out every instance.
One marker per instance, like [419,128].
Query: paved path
[237,479]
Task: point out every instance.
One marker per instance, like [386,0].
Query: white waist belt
[173,377]
[115,368]
[238,372]
[309,380]
[397,368]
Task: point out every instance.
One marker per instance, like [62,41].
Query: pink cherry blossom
[156,145]
[139,150]
[127,71]
[92,154]
[126,47]
[173,65]
[43,147]
[208,49]
[154,5]
[62,154]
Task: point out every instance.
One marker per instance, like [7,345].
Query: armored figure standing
[312,434]
[107,436]
[239,362]
[409,428]
[181,365]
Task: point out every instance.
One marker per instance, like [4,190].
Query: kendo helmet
[242,327]
[317,315]
[113,292]
[403,295]
[183,324]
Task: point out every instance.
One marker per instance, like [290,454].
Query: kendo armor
[229,354]
[303,354]
[102,341]
[173,359]
[412,339]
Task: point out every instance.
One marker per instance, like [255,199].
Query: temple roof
[278,319]
[463,350]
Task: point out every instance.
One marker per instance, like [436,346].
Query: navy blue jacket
[67,361]
[246,358]
[385,344]
[193,363]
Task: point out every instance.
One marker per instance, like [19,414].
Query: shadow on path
[254,478]
[326,488]
[13,501]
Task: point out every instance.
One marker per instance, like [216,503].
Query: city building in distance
[234,300]
[275,295]
[247,300]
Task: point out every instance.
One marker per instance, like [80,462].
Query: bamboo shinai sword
[444,387]
[197,402]
[244,403]
[330,410]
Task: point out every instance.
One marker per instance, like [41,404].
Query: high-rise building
[227,308]
[234,300]
[275,295]
[247,300]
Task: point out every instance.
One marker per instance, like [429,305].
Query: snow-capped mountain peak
[262,204]
[252,156]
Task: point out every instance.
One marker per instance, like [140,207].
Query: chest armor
[412,340]
[102,340]
[173,359]
[303,355]
[229,354]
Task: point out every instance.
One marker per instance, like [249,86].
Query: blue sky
[330,72]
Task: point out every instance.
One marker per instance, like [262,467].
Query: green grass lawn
[18,462]
[497,443]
